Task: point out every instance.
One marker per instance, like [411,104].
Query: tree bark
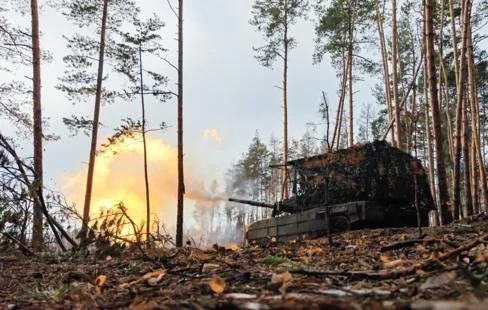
[144,144]
[445,210]
[394,62]
[475,117]
[181,182]
[459,106]
[96,118]
[386,73]
[351,94]
[466,162]
[340,106]
[37,231]
[285,102]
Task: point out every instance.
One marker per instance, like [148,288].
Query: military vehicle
[368,185]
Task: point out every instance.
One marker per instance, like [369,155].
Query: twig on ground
[402,244]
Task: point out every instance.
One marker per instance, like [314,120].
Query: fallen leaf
[217,284]
[284,277]
[156,278]
[233,247]
[152,278]
[209,267]
[99,282]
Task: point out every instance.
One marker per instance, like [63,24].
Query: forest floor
[367,269]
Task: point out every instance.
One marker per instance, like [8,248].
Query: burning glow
[119,177]
[212,134]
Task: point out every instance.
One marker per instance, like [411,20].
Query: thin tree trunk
[351,93]
[474,175]
[394,62]
[475,117]
[146,177]
[96,118]
[285,104]
[453,41]
[445,211]
[181,182]
[466,162]
[429,140]
[443,84]
[37,234]
[350,139]
[340,106]
[459,107]
[386,74]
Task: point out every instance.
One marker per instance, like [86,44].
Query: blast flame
[119,177]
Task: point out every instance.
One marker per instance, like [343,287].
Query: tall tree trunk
[144,144]
[454,40]
[37,235]
[351,93]
[459,107]
[475,117]
[285,105]
[386,73]
[429,137]
[350,139]
[181,182]
[340,106]
[394,62]
[96,118]
[466,162]
[445,210]
[474,175]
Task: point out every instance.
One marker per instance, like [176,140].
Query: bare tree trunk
[429,140]
[338,123]
[474,176]
[181,182]
[466,162]
[459,106]
[475,117]
[350,139]
[386,74]
[351,93]
[144,144]
[285,105]
[445,210]
[453,41]
[394,62]
[37,234]
[96,118]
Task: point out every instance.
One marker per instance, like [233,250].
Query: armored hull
[368,185]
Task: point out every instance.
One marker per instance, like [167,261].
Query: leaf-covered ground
[369,269]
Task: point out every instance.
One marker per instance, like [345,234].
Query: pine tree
[274,18]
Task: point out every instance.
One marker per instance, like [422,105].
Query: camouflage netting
[373,172]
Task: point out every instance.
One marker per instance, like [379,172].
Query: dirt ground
[446,268]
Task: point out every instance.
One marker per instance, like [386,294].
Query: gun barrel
[253,203]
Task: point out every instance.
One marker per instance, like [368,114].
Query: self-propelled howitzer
[368,185]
